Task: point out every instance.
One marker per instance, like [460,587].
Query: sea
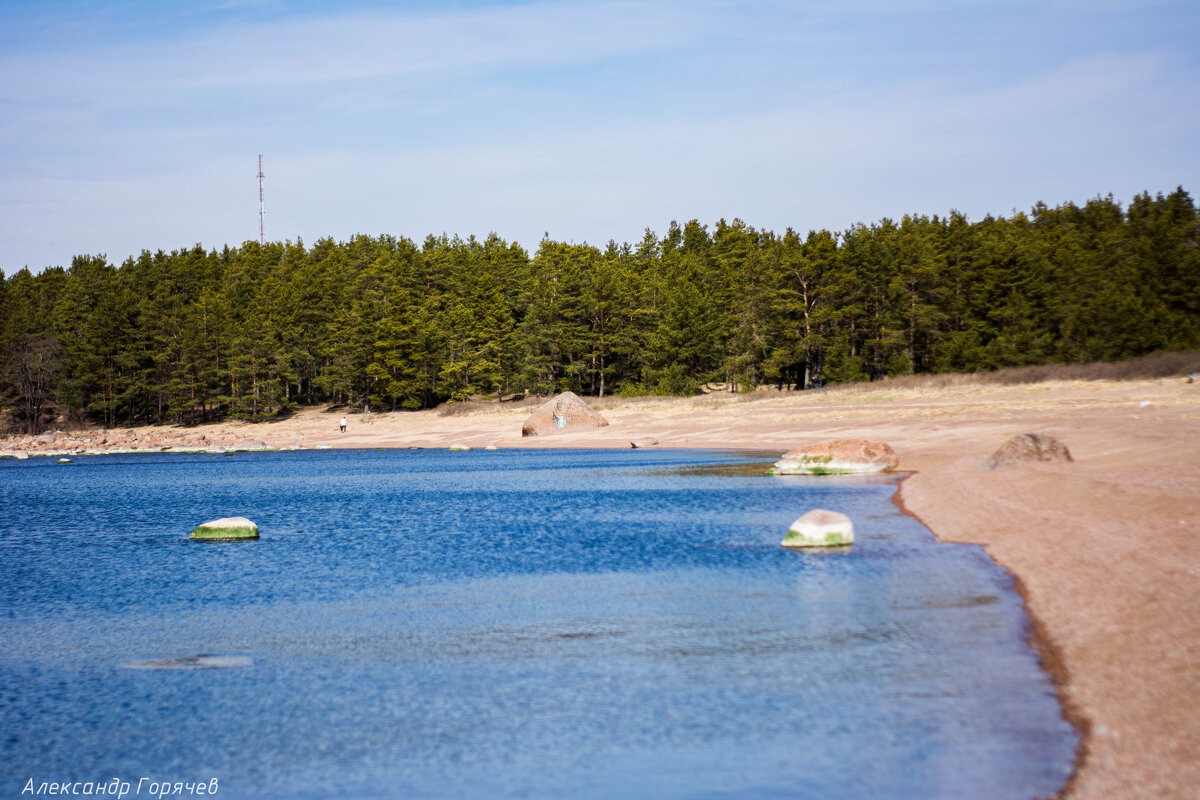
[503,624]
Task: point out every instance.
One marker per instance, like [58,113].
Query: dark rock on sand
[1028,447]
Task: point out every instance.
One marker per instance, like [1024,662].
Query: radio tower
[262,237]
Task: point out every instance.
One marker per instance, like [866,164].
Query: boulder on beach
[643,443]
[459,448]
[841,457]
[1028,447]
[226,529]
[562,414]
[820,528]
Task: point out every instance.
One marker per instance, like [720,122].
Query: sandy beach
[1106,550]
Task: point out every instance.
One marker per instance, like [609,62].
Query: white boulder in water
[820,528]
[226,529]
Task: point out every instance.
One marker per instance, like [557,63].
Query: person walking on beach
[342,424]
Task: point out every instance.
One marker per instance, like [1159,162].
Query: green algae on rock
[841,457]
[226,529]
[820,528]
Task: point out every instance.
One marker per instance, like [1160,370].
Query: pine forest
[385,323]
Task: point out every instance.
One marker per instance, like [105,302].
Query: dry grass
[1156,365]
[641,401]
[466,408]
[1150,367]
[1153,366]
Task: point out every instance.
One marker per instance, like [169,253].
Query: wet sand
[1106,550]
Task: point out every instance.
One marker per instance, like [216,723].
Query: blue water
[511,624]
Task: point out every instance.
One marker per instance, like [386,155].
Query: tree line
[383,323]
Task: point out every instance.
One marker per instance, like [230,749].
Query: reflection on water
[508,624]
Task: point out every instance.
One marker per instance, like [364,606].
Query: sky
[130,126]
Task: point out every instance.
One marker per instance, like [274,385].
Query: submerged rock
[191,662]
[1028,447]
[226,529]
[562,414]
[840,457]
[64,461]
[820,528]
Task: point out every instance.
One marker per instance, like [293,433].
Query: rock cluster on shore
[122,440]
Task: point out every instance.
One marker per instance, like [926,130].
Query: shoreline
[1105,551]
[1048,653]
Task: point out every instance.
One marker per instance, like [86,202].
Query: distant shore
[1106,550]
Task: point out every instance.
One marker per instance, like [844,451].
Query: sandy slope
[1107,549]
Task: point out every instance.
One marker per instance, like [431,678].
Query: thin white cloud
[587,120]
[356,46]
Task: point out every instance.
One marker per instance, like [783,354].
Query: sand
[1106,550]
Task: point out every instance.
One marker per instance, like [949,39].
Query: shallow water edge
[1049,655]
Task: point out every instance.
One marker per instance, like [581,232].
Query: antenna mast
[262,238]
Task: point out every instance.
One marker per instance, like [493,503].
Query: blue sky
[137,125]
